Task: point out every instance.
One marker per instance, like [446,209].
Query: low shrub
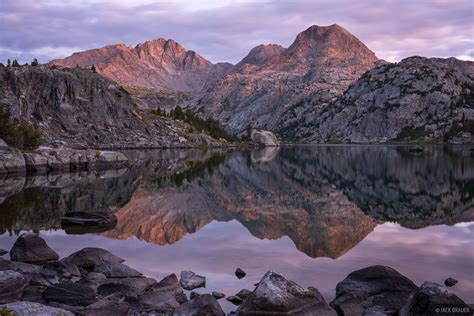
[21,135]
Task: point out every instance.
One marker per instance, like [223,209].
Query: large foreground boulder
[88,258]
[190,280]
[373,288]
[31,248]
[203,305]
[34,309]
[12,285]
[11,159]
[275,294]
[264,138]
[430,298]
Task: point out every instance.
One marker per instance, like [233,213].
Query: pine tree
[9,63]
[15,63]
[34,62]
[93,69]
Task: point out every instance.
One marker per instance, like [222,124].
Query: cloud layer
[226,30]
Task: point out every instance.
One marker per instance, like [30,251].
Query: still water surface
[313,214]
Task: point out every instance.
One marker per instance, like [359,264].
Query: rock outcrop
[81,109]
[264,138]
[416,99]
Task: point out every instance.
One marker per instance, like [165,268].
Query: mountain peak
[332,42]
[259,54]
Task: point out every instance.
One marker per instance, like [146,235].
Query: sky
[226,30]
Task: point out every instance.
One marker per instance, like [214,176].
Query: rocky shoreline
[93,281]
[48,159]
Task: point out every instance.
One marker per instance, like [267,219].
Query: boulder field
[93,281]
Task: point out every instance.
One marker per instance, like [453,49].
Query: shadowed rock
[116,270]
[88,258]
[12,285]
[450,282]
[112,305]
[372,286]
[31,248]
[430,297]
[72,294]
[218,295]
[200,306]
[159,301]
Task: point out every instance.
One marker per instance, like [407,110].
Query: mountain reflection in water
[325,199]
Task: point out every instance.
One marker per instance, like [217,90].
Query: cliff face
[269,87]
[80,108]
[158,63]
[416,99]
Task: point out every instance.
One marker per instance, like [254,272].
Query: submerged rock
[200,306]
[31,248]
[450,282]
[88,258]
[429,298]
[235,300]
[12,285]
[86,223]
[239,273]
[34,309]
[275,294]
[190,280]
[218,295]
[372,286]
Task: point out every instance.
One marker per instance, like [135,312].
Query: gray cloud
[49,29]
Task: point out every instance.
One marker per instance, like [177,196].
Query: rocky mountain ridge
[416,99]
[327,86]
[271,81]
[157,63]
[78,108]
